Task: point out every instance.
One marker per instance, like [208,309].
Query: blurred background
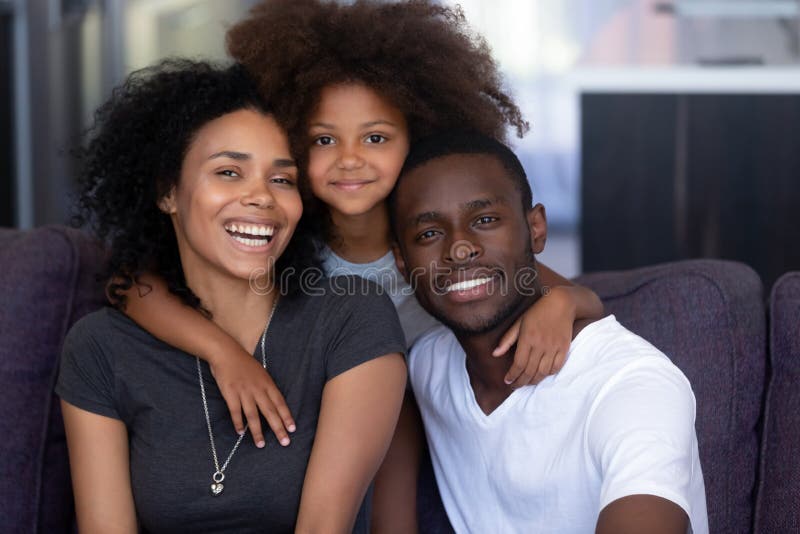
[661,130]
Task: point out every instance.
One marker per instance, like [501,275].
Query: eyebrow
[468,206]
[369,124]
[243,156]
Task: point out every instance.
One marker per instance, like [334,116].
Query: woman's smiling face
[359,143]
[236,205]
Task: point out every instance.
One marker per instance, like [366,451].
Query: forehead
[344,98]
[244,130]
[447,183]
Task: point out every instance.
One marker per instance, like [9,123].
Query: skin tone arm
[245,385]
[642,513]
[357,418]
[98,458]
[543,334]
[394,499]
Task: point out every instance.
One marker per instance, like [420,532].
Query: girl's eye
[485,219]
[229,173]
[323,140]
[376,138]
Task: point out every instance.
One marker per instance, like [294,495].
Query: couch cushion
[48,282]
[778,503]
[708,317]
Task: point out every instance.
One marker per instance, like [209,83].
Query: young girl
[184,158]
[356,85]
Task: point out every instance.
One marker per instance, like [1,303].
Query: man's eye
[323,140]
[485,219]
[428,234]
[376,138]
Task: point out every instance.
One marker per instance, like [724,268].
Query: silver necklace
[219,474]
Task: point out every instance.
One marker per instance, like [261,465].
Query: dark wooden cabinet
[674,176]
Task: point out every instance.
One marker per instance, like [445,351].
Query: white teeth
[251,242]
[469,284]
[251,230]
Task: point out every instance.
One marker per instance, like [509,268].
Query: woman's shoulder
[104,329]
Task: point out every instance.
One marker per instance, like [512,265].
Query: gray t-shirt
[383,271]
[112,367]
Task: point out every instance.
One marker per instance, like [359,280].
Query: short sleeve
[363,325]
[86,377]
[641,435]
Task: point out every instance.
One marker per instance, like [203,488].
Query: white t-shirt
[414,320]
[617,420]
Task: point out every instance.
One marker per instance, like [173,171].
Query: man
[608,444]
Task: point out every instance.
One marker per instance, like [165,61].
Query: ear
[167,202]
[399,261]
[537,224]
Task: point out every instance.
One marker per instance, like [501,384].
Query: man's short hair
[463,142]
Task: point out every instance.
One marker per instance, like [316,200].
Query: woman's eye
[229,173]
[376,138]
[283,180]
[323,140]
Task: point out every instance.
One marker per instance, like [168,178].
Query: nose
[462,251]
[258,195]
[350,157]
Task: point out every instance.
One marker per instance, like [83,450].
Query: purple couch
[708,316]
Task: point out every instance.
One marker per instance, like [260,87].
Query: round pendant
[216,488]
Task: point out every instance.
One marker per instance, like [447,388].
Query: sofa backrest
[708,317]
[47,282]
[778,503]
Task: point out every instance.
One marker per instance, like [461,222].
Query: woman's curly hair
[419,55]
[134,155]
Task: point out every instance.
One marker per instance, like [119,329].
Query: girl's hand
[543,335]
[247,388]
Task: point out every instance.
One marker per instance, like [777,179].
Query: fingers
[531,366]
[235,408]
[273,419]
[282,409]
[530,369]
[250,410]
[508,339]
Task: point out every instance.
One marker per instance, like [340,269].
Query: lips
[351,185]
[466,286]
[251,234]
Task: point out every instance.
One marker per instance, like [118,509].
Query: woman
[184,162]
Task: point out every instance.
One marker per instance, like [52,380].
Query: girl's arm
[98,458]
[359,411]
[244,384]
[394,497]
[543,334]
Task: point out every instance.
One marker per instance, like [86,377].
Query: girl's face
[236,204]
[359,143]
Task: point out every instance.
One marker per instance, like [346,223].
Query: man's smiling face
[466,242]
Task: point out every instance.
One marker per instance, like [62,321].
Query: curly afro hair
[419,55]
[134,155]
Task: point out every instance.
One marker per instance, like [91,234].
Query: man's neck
[362,238]
[487,372]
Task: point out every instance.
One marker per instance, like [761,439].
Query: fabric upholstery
[778,504]
[47,283]
[708,317]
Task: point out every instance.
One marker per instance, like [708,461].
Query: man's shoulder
[606,345]
[432,350]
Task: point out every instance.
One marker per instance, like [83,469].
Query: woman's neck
[236,307]
[361,238]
